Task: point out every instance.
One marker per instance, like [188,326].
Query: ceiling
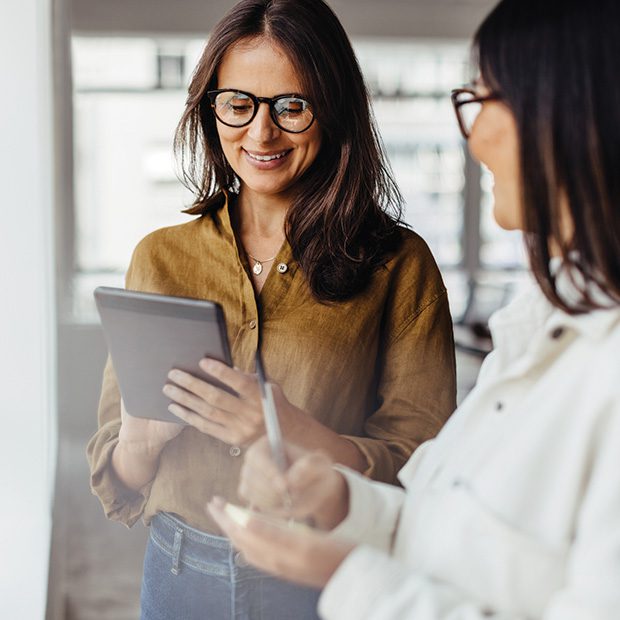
[385,18]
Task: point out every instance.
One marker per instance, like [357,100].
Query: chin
[507,213]
[266,188]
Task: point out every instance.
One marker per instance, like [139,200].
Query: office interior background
[92,92]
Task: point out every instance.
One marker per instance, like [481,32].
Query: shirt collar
[221,216]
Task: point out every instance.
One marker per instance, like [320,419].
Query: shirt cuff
[374,509]
[119,503]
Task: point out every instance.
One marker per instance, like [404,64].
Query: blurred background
[92,92]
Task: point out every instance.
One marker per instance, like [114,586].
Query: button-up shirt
[513,511]
[377,368]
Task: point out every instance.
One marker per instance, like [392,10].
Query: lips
[267,156]
[267,160]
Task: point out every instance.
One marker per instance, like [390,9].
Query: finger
[243,422]
[307,471]
[259,462]
[260,492]
[203,425]
[263,544]
[244,384]
[262,498]
[187,400]
[215,396]
[305,557]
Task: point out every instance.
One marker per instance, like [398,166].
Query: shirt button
[252,324]
[240,559]
[282,268]
[557,333]
[234,451]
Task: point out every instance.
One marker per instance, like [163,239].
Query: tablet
[149,334]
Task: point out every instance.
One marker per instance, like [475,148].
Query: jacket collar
[532,310]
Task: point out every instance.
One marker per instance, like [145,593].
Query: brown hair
[555,65]
[342,224]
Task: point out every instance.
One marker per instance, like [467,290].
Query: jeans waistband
[206,553]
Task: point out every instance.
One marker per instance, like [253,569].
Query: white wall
[27,308]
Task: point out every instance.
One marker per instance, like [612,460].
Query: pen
[272,425]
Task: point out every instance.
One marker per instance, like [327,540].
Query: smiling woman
[298,239]
[276,135]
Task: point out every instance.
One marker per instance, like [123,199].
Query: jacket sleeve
[372,585]
[374,510]
[416,389]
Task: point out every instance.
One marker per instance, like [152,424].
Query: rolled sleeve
[119,503]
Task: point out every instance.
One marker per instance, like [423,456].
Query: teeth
[267,157]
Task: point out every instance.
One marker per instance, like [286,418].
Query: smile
[268,157]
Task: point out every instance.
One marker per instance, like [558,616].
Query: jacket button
[234,451]
[557,333]
[499,405]
[282,268]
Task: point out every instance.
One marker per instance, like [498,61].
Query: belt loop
[176,551]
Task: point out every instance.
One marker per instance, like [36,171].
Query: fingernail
[168,389]
[174,374]
[217,501]
[207,364]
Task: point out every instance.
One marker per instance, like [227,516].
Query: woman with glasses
[513,510]
[298,238]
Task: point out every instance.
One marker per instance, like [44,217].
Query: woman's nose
[262,128]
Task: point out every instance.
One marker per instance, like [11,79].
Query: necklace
[257,268]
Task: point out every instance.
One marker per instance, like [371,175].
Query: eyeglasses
[467,105]
[237,108]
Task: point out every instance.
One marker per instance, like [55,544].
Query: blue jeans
[191,575]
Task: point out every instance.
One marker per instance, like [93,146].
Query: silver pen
[272,424]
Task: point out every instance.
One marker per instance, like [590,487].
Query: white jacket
[513,511]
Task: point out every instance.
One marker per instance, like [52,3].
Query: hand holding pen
[286,481]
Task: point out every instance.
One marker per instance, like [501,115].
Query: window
[129,94]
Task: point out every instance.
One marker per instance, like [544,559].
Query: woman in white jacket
[513,511]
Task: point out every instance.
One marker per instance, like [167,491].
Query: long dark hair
[556,67]
[343,221]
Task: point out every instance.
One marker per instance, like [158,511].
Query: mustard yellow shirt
[378,368]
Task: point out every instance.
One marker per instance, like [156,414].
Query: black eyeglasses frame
[475,99]
[270,101]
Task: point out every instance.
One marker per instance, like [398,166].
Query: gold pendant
[258,268]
